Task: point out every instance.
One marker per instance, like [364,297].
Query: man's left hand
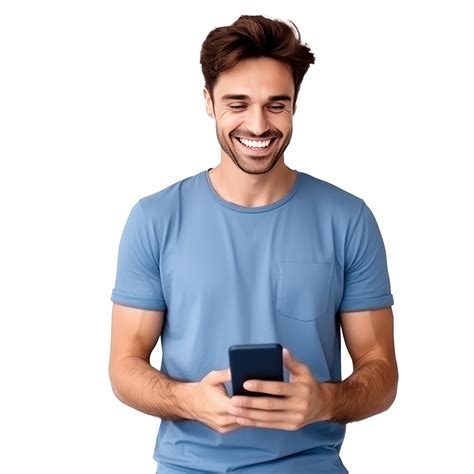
[302,401]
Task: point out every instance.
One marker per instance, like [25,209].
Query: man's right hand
[207,401]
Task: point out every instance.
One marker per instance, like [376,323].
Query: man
[247,252]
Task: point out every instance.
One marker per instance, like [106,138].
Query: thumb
[294,366]
[217,377]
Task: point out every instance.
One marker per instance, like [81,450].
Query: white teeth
[255,144]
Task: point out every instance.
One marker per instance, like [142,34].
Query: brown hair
[253,37]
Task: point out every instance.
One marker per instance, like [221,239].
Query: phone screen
[257,362]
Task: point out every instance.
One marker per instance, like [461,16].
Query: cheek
[227,124]
[287,130]
[282,121]
[286,121]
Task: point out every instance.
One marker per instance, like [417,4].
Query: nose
[257,122]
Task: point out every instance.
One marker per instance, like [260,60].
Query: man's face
[253,109]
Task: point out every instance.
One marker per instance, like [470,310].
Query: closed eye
[273,108]
[236,107]
[277,107]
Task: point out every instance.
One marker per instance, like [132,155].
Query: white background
[101,104]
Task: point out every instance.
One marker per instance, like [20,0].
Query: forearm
[371,389]
[137,384]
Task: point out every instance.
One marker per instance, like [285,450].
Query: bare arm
[372,386]
[135,333]
[370,389]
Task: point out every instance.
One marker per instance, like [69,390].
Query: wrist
[184,395]
[328,396]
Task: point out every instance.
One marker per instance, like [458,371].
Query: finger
[217,377]
[272,388]
[226,421]
[252,416]
[294,366]
[259,415]
[259,403]
[275,425]
[226,424]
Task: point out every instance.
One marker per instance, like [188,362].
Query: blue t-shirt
[228,274]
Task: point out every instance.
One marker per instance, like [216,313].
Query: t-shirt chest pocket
[303,289]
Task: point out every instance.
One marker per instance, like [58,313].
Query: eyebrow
[271,98]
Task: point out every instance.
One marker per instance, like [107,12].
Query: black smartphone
[257,362]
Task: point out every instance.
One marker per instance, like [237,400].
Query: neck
[252,190]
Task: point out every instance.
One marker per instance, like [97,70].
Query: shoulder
[165,201]
[329,199]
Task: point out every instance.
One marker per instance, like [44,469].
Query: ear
[209,105]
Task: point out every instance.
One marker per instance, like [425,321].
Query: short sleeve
[366,279]
[138,281]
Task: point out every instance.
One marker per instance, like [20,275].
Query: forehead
[256,77]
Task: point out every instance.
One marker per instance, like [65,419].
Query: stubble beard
[249,165]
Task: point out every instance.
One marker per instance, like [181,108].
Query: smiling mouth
[256,145]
